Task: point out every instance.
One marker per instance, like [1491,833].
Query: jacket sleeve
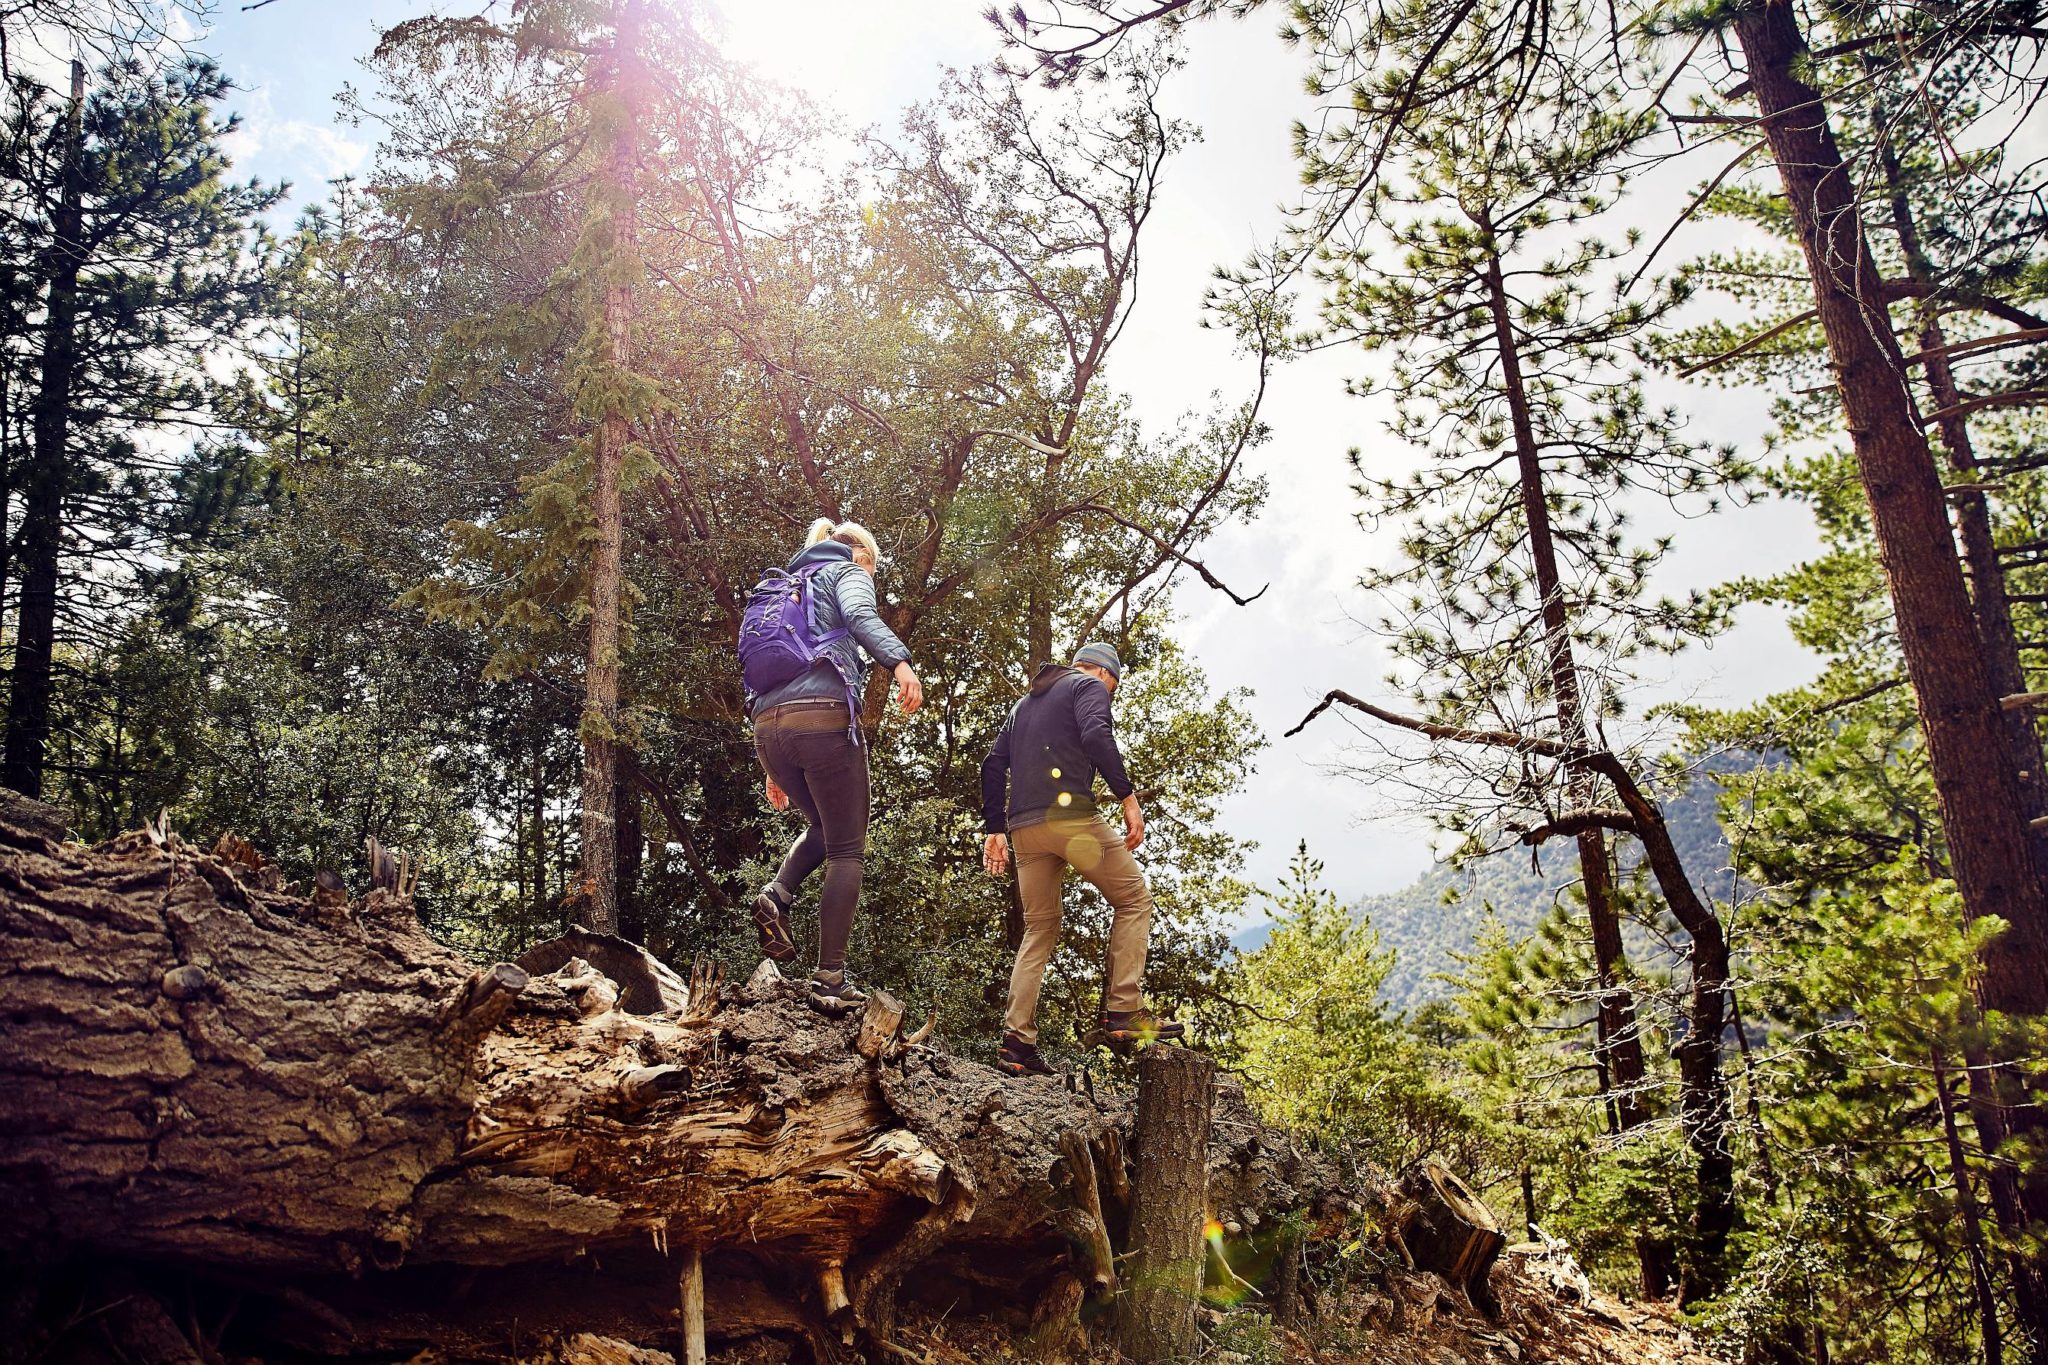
[855,593]
[1098,739]
[995,783]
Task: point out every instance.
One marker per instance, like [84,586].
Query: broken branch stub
[880,1021]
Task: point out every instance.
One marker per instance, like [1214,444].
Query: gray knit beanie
[1103,656]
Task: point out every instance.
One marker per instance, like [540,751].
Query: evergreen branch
[2017,398]
[1770,334]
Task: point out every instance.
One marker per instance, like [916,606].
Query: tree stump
[1169,1203]
[1287,1279]
[1452,1232]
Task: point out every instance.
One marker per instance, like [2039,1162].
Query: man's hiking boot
[771,921]
[1019,1058]
[835,993]
[1125,1031]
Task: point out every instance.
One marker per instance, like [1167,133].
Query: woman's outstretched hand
[777,797]
[909,691]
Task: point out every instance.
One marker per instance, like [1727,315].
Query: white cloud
[305,152]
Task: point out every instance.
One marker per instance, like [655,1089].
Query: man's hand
[1134,823]
[777,797]
[995,854]
[909,691]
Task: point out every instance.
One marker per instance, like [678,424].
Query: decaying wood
[693,1306]
[1451,1231]
[348,1142]
[880,1021]
[1094,1232]
[208,1071]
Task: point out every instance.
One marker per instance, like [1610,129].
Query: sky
[1220,199]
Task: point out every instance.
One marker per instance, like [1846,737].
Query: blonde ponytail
[846,533]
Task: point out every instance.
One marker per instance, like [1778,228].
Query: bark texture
[1971,752]
[1169,1204]
[1960,717]
[385,1148]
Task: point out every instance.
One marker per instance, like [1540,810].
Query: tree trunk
[1999,641]
[1169,1204]
[614,204]
[1704,1107]
[1990,1334]
[537,800]
[313,1103]
[632,846]
[42,513]
[1967,743]
[1619,1045]
[1989,602]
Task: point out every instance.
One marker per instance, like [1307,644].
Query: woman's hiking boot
[835,993]
[771,921]
[1019,1058]
[1127,1030]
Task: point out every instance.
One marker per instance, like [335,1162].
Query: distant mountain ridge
[1441,911]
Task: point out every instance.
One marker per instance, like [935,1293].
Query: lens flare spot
[1055,772]
[1212,1230]
[1066,798]
[1083,852]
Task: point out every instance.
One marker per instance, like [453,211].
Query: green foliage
[1302,1021]
[173,270]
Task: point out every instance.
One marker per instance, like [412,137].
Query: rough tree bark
[613,200]
[1960,718]
[1169,1204]
[382,1148]
[1989,600]
[1975,778]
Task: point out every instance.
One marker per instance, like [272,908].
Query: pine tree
[145,258]
[1520,585]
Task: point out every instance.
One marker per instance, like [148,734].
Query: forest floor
[1410,1319]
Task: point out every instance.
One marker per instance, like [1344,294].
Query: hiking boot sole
[1019,1069]
[771,924]
[1123,1044]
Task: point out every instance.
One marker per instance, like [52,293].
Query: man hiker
[1045,760]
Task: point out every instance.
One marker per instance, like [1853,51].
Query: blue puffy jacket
[842,594]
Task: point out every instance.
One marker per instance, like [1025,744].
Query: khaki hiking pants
[1044,853]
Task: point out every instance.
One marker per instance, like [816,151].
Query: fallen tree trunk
[314,1100]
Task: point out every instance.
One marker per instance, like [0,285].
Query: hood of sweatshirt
[1047,676]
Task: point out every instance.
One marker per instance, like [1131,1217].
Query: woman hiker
[807,733]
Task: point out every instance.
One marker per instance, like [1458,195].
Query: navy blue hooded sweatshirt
[1049,752]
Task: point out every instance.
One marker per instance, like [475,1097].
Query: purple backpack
[776,643]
